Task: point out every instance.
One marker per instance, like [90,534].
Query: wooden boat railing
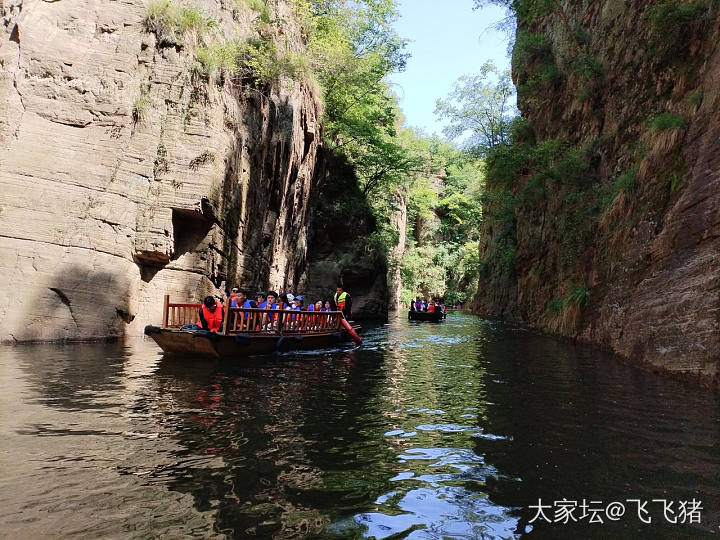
[256,321]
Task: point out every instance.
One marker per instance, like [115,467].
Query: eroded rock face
[651,261]
[124,177]
[340,224]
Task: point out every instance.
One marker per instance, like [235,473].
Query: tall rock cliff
[604,215]
[340,247]
[125,176]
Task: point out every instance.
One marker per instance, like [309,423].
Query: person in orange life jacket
[431,306]
[211,315]
[260,298]
[319,306]
[342,301]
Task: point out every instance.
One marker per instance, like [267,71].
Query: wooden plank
[166,303]
[226,319]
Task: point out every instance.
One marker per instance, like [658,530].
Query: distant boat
[434,316]
[252,331]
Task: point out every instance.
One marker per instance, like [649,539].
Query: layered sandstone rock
[125,178]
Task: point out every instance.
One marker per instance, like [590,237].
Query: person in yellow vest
[342,302]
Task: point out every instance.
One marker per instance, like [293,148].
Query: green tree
[481,108]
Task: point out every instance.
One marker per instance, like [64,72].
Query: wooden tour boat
[434,316]
[249,332]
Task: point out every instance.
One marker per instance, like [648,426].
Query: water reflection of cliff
[584,426]
[269,425]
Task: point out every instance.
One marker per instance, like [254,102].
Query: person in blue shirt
[271,302]
[241,300]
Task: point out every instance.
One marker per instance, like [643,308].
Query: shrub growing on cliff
[261,7]
[665,121]
[140,107]
[259,59]
[577,296]
[173,23]
[672,26]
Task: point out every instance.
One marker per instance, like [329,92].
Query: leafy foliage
[174,23]
[670,20]
[577,296]
[665,122]
[481,108]
[352,46]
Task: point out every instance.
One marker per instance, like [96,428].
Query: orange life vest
[214,319]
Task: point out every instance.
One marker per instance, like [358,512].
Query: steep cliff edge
[603,217]
[125,176]
[340,251]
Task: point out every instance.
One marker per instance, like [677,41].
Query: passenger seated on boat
[270,303]
[242,301]
[300,304]
[319,306]
[260,298]
[327,306]
[211,315]
[231,298]
[431,307]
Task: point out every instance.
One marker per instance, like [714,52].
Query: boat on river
[434,316]
[250,332]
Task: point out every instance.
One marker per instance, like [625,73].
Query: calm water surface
[453,430]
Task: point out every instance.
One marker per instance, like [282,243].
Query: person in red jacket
[211,315]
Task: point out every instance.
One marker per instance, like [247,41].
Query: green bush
[587,67]
[665,121]
[695,99]
[140,107]
[219,58]
[672,25]
[261,7]
[627,182]
[577,296]
[669,16]
[171,22]
[257,58]
[530,47]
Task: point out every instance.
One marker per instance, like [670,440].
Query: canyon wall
[125,176]
[340,248]
[608,230]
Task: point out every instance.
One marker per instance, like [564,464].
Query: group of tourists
[212,312]
[421,304]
